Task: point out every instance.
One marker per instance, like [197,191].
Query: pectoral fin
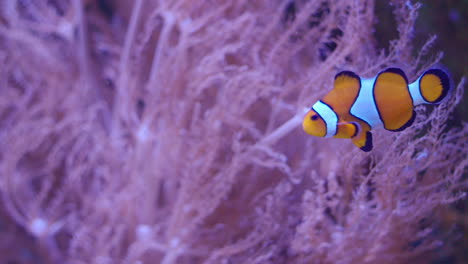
[363,141]
[347,130]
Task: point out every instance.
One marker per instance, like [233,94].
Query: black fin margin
[406,125]
[356,129]
[368,146]
[349,74]
[444,80]
[396,71]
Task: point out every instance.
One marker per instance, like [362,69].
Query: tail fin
[434,85]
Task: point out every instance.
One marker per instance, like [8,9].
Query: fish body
[357,105]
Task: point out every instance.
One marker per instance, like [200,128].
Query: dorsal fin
[345,79]
[393,99]
[395,71]
[343,75]
[343,95]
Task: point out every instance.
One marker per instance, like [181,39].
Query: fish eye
[314,117]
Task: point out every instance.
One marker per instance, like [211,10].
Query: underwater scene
[227,132]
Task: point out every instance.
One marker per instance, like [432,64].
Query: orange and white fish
[357,105]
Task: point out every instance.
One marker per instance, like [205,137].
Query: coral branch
[163,132]
[284,129]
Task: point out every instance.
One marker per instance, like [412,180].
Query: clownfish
[357,105]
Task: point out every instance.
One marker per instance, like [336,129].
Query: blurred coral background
[154,131]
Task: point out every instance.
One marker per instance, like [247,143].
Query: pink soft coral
[173,137]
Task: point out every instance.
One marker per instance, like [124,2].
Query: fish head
[314,125]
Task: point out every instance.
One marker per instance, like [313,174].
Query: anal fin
[407,124]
